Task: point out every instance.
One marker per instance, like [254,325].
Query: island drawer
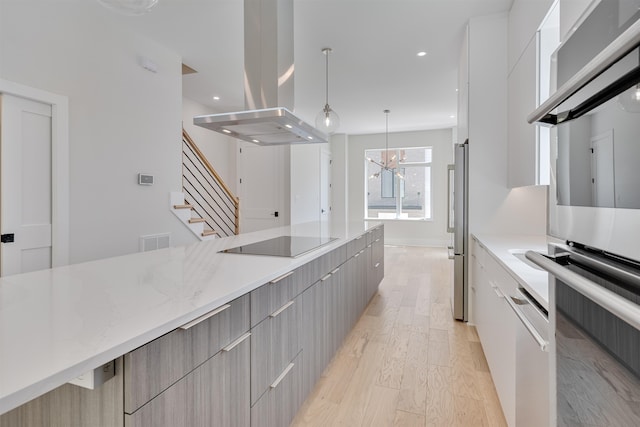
[356,245]
[216,393]
[269,297]
[280,403]
[152,368]
[274,343]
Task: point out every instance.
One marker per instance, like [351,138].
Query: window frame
[428,214]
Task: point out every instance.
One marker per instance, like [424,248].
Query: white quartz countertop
[504,249]
[59,323]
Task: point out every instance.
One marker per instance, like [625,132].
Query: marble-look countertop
[59,323]
[503,249]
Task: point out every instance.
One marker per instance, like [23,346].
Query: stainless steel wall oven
[594,205]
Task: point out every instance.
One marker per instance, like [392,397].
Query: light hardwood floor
[407,362]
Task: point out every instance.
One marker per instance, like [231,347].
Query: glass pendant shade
[327,120]
[629,100]
[129,7]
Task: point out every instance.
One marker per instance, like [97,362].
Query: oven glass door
[597,359]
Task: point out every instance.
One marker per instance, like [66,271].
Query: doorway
[34,179]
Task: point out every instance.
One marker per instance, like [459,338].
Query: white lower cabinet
[519,367]
[496,327]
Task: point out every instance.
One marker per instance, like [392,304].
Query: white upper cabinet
[524,159]
[522,140]
[463,90]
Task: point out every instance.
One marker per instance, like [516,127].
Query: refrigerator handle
[450,177]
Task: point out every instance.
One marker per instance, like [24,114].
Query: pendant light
[629,100]
[386,161]
[327,120]
[129,7]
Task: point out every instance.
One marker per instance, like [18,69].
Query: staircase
[206,204]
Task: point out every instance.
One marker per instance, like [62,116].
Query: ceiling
[373,65]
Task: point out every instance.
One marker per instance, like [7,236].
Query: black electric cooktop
[286,246]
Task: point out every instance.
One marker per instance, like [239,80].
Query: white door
[602,171]
[325,189]
[262,183]
[25,181]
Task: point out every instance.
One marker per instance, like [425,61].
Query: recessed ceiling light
[226,131]
[456,89]
[452,116]
[422,53]
[288,126]
[310,137]
[216,98]
[256,141]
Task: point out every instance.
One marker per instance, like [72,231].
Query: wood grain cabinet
[275,342]
[155,366]
[251,362]
[216,393]
[280,403]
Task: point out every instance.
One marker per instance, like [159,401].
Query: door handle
[275,214]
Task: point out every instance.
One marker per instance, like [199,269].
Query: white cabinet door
[496,327]
[522,139]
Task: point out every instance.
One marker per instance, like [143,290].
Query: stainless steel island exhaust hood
[268,91]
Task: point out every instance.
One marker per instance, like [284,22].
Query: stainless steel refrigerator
[459,226]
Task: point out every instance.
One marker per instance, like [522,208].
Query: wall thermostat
[145,179]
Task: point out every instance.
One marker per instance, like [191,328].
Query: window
[402,190]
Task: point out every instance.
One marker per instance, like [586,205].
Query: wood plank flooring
[407,362]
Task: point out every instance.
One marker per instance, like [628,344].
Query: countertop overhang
[502,248]
[59,323]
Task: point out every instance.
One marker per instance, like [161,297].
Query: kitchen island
[58,324]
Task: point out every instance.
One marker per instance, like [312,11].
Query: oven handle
[610,301]
[617,49]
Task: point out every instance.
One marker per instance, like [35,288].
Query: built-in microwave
[594,195]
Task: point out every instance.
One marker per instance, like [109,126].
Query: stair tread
[185,206]
[196,220]
[208,233]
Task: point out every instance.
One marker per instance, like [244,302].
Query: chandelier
[387,162]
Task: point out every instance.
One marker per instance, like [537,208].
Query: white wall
[424,233]
[339,147]
[305,183]
[219,149]
[123,119]
[493,208]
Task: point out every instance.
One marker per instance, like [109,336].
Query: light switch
[145,179]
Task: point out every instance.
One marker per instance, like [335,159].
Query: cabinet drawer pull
[281,309]
[282,375]
[359,237]
[377,265]
[237,342]
[357,255]
[335,271]
[378,239]
[496,290]
[325,277]
[284,276]
[204,317]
